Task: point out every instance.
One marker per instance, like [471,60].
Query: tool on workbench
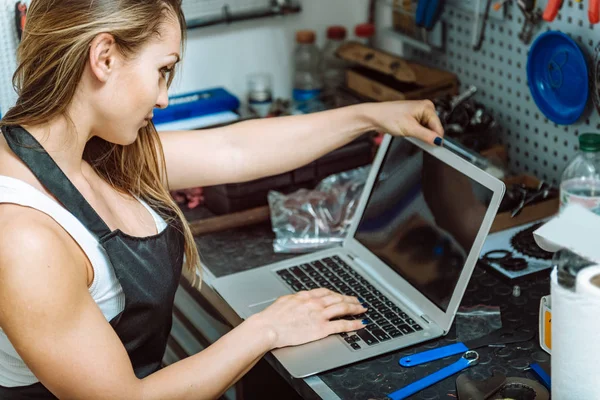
[20,17]
[499,387]
[468,359]
[480,22]
[428,13]
[498,337]
[531,18]
[542,372]
[551,11]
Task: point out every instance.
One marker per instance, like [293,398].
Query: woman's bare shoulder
[28,233]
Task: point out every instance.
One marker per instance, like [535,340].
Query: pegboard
[536,145]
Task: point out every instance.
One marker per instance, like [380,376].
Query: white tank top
[105,288]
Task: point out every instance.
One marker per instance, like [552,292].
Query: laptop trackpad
[258,307]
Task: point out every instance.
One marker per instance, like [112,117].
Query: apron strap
[31,152]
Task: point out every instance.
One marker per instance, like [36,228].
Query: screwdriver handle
[551,10]
[594,11]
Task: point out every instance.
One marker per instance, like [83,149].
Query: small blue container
[558,77]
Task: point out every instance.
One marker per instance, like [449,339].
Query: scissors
[428,13]
[553,6]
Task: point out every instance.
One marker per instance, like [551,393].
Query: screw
[516,291]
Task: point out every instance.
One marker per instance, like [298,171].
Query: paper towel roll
[576,337]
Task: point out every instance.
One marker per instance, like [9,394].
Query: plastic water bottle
[365,34]
[308,81]
[580,181]
[334,68]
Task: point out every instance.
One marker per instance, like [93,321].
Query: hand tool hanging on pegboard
[428,13]
[594,11]
[20,17]
[596,78]
[552,9]
[480,22]
[532,17]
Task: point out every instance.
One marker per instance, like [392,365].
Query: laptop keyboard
[386,320]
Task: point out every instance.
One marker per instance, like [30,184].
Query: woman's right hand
[307,316]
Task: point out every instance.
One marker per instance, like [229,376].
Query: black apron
[147,268]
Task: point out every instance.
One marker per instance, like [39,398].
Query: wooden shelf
[228,17]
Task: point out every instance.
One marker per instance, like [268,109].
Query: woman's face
[138,86]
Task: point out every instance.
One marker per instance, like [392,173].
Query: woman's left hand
[416,119]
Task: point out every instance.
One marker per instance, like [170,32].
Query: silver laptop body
[415,239]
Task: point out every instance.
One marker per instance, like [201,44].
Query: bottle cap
[364,30]
[589,142]
[336,32]
[306,37]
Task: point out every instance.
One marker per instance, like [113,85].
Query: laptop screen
[422,218]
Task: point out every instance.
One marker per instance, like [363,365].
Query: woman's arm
[56,327]
[258,148]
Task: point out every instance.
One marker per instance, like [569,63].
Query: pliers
[428,13]
[20,17]
[554,6]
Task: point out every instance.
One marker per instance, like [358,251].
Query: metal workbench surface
[236,250]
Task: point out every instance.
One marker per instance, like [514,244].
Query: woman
[92,246]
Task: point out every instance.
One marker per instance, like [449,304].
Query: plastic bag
[478,321]
[308,220]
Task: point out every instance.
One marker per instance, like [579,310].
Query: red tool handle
[594,11]
[551,10]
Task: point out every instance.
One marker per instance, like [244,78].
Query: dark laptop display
[422,218]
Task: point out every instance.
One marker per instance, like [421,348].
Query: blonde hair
[51,60]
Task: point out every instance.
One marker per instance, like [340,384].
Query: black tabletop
[240,249]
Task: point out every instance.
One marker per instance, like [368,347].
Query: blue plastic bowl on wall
[558,77]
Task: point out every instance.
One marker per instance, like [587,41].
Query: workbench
[235,250]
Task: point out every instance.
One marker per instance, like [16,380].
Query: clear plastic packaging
[580,181]
[478,321]
[308,220]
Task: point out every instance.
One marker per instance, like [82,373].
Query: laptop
[414,241]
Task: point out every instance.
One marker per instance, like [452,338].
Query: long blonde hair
[51,60]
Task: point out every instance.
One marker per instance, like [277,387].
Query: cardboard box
[382,76]
[529,213]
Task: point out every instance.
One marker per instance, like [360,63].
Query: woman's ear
[103,54]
